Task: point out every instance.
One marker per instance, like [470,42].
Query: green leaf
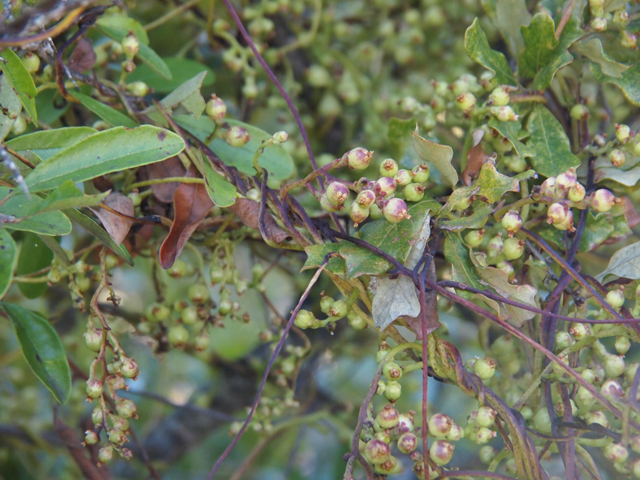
[462,268]
[477,46]
[593,51]
[628,178]
[510,131]
[547,138]
[21,81]
[624,263]
[182,69]
[201,128]
[105,112]
[439,155]
[526,175]
[560,56]
[597,230]
[118,26]
[397,239]
[98,232]
[67,196]
[399,135]
[42,349]
[8,260]
[360,261]
[220,190]
[20,206]
[476,220]
[105,152]
[151,58]
[50,106]
[510,16]
[47,143]
[457,196]
[493,184]
[316,254]
[34,256]
[275,159]
[188,94]
[540,42]
[629,83]
[11,106]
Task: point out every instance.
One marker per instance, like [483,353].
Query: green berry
[495,247]
[327,206]
[403,177]
[304,320]
[623,133]
[189,315]
[441,452]
[602,200]
[179,269]
[420,173]
[358,214]
[485,368]
[513,248]
[356,320]
[407,443]
[466,101]
[615,298]
[94,388]
[237,136]
[542,421]
[337,193]
[178,336]
[130,46]
[388,168]
[439,425]
[414,192]
[579,112]
[576,193]
[616,452]
[377,451]
[617,157]
[622,344]
[366,198]
[395,210]
[198,293]
[138,89]
[392,371]
[613,365]
[375,212]
[486,454]
[326,302]
[393,391]
[93,339]
[126,408]
[388,417]
[385,186]
[105,454]
[339,309]
[511,222]
[129,368]
[31,62]
[474,238]
[91,437]
[359,158]
[216,109]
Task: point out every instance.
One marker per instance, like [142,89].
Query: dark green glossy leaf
[275,159]
[105,152]
[50,106]
[511,131]
[42,349]
[11,106]
[97,231]
[182,69]
[188,95]
[20,206]
[105,112]
[597,230]
[34,256]
[201,128]
[8,260]
[316,254]
[360,261]
[477,46]
[493,184]
[46,143]
[66,196]
[21,81]
[549,142]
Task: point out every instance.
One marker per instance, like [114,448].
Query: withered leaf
[248,211]
[117,226]
[83,57]
[431,300]
[476,157]
[171,167]
[191,203]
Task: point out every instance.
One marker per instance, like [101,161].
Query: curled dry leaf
[476,157]
[433,319]
[117,226]
[171,167]
[191,203]
[83,57]
[248,211]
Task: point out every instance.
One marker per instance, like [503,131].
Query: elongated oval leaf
[34,256]
[11,106]
[22,207]
[42,349]
[182,69]
[115,149]
[220,190]
[624,263]
[21,81]
[67,196]
[46,143]
[105,112]
[8,259]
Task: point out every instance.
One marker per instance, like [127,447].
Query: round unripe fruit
[385,186]
[403,177]
[616,452]
[576,193]
[507,268]
[130,46]
[486,416]
[105,454]
[474,238]
[485,368]
[611,390]
[579,112]
[602,200]
[495,247]
[327,206]
[129,368]
[178,336]
[337,193]
[542,421]
[511,222]
[225,306]
[201,342]
[441,452]
[613,365]
[216,109]
[420,173]
[564,340]
[392,371]
[216,272]
[125,408]
[466,101]
[326,303]
[622,344]
[579,330]
[93,339]
[179,269]
[487,454]
[405,423]
[117,437]
[376,451]
[615,298]
[513,248]
[407,443]
[388,417]
[359,158]
[414,192]
[31,62]
[565,181]
[339,309]
[138,89]
[356,320]
[623,133]
[237,136]
[358,214]
[94,388]
[91,437]
[393,391]
[504,114]
[455,434]
[395,210]
[304,320]
[375,212]
[439,425]
[548,187]
[366,198]
[156,312]
[560,216]
[388,168]
[198,293]
[499,97]
[617,157]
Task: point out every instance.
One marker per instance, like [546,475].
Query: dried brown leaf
[117,226]
[191,203]
[83,56]
[630,212]
[248,211]
[171,167]
[476,157]
[433,319]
